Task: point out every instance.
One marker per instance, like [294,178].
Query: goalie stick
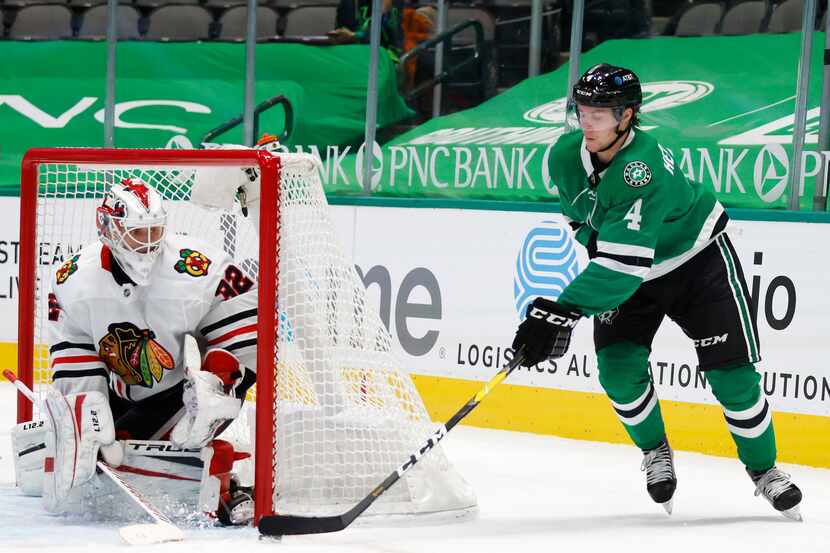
[284,525]
[163,530]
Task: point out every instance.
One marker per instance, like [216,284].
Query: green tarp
[52,94]
[716,101]
[723,104]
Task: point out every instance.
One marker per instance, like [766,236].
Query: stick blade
[287,525]
[148,534]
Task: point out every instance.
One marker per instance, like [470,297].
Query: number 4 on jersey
[633,216]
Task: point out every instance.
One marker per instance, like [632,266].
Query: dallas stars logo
[636,174]
[607,317]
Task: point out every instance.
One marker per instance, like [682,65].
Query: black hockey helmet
[608,86]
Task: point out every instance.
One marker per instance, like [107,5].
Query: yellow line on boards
[802,439]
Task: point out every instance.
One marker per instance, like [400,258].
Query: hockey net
[335,411]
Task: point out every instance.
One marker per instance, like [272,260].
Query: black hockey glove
[546,331]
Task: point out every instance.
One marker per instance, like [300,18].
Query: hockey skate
[661,480]
[236,506]
[220,493]
[777,488]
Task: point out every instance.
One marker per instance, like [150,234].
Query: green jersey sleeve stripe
[617,266]
[625,249]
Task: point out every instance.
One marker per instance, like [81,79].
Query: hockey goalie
[120,315]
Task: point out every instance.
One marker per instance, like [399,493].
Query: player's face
[143,239]
[598,125]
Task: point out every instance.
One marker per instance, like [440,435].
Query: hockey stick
[283,525]
[163,530]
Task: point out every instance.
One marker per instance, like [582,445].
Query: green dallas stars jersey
[642,220]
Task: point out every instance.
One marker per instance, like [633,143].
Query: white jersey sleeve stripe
[614,265]
[625,249]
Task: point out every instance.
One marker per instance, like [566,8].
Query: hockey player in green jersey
[658,247]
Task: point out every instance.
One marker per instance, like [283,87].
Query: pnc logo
[377,164]
[771,172]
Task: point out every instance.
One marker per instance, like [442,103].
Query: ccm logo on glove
[546,331]
[552,318]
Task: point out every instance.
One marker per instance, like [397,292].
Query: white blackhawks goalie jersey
[105,332]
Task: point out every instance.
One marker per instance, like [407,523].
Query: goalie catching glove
[221,188]
[546,331]
[208,396]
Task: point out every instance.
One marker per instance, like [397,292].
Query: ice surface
[536,494]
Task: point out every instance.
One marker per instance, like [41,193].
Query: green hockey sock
[623,373]
[747,412]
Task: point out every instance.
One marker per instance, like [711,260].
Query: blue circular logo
[546,264]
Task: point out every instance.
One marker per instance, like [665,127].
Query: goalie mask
[131,222]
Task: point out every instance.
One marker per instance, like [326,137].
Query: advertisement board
[451,284]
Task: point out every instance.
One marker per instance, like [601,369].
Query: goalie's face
[143,239]
[132,222]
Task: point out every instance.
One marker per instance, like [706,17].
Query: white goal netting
[346,412]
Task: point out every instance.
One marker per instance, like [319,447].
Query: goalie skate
[236,507]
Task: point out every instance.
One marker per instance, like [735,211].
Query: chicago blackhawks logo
[636,174]
[192,262]
[67,269]
[134,354]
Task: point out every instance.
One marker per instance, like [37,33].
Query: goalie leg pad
[29,450]
[77,426]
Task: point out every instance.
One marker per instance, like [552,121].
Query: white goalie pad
[77,426]
[29,450]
